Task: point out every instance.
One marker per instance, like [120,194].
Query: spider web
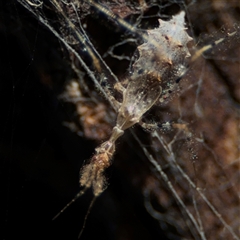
[182,183]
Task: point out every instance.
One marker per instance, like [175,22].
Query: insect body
[162,62]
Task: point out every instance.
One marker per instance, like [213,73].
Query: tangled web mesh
[191,183]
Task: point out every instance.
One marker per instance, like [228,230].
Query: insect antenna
[71,202]
[86,216]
